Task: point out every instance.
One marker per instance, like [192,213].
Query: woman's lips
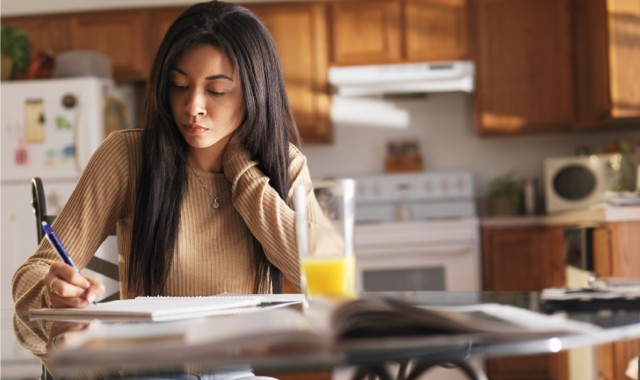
[194,129]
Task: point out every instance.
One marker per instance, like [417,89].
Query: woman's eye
[179,86]
[215,93]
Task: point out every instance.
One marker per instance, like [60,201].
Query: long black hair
[266,131]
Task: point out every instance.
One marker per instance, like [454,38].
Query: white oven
[418,255]
[417,231]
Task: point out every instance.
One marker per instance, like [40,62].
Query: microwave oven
[579,181]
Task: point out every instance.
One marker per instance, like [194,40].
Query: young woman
[201,196]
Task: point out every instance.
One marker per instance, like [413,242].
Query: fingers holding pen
[68,288]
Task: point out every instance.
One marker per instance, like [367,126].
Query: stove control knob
[444,185]
[460,184]
[427,186]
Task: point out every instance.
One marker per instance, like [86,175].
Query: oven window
[382,280]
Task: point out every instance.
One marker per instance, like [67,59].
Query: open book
[323,328]
[169,308]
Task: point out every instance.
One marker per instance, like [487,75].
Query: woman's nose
[195,104]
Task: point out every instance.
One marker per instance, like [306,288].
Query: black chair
[97,264]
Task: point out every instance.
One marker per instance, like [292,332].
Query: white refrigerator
[50,128]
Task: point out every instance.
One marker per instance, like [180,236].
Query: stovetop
[415,196]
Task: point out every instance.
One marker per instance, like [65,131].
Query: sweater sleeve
[85,221]
[269,218]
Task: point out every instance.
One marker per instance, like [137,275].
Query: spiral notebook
[170,308]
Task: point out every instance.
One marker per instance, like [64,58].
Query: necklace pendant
[215,203]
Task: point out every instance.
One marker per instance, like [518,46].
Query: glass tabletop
[39,337]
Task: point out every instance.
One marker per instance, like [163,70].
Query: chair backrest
[97,264]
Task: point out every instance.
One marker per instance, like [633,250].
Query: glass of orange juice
[325,225]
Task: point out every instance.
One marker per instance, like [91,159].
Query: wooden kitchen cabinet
[45,33]
[524,259]
[120,36]
[300,34]
[607,42]
[387,31]
[524,80]
[365,32]
[555,65]
[160,19]
[436,30]
[615,250]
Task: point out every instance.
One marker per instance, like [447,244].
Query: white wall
[444,126]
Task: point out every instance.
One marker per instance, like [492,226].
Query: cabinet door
[615,250]
[623,18]
[365,32]
[160,19]
[607,39]
[45,33]
[436,30]
[121,35]
[300,33]
[524,66]
[524,259]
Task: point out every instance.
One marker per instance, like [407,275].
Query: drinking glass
[325,223]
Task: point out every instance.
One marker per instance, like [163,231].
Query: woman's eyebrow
[211,77]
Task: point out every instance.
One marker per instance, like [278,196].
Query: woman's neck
[206,159]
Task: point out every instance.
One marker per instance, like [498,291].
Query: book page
[387,317]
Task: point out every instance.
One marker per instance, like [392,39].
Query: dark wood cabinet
[555,65]
[121,37]
[300,34]
[607,41]
[524,80]
[615,249]
[160,19]
[388,31]
[524,259]
[45,33]
[436,30]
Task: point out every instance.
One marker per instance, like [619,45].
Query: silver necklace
[214,200]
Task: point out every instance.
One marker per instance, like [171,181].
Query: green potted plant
[504,194]
[16,50]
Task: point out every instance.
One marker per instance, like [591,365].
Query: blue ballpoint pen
[58,247]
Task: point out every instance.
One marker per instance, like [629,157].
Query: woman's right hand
[68,288]
[62,332]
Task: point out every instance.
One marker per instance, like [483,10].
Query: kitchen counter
[593,215]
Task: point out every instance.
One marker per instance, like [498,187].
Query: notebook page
[152,309]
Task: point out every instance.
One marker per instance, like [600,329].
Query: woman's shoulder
[123,139]
[134,134]
[297,161]
[295,153]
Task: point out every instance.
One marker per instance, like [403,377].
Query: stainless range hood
[404,78]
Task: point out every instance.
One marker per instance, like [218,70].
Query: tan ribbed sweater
[214,248]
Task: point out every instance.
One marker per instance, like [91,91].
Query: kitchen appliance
[50,128]
[579,181]
[403,78]
[417,231]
